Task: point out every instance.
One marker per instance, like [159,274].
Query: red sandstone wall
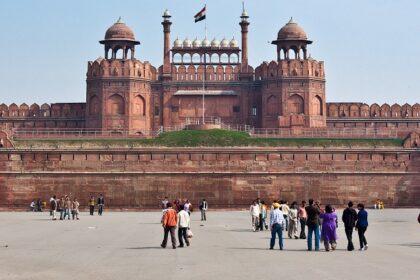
[226,177]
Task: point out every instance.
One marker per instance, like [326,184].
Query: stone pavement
[126,246]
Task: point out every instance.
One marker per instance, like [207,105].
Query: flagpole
[204,72]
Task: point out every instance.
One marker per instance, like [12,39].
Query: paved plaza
[125,245]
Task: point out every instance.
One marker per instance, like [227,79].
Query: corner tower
[293,86]
[118,90]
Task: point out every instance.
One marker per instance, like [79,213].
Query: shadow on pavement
[413,245]
[144,248]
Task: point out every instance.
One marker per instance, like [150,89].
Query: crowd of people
[319,223]
[176,215]
[379,204]
[68,207]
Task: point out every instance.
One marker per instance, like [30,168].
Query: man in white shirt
[284,208]
[183,226]
[203,208]
[255,213]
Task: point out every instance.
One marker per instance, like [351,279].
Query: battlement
[362,110]
[290,68]
[120,68]
[60,110]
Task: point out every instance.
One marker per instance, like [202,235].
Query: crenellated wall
[226,177]
[362,110]
[56,115]
[120,68]
[290,68]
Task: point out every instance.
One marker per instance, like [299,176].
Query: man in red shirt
[169,223]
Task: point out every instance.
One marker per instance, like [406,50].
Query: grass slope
[207,138]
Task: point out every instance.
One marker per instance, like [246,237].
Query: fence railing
[325,133]
[54,133]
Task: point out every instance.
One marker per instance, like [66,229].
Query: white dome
[233,43]
[215,43]
[177,43]
[187,43]
[224,43]
[196,43]
[206,43]
[166,13]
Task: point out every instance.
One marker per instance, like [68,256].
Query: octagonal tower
[118,86]
[293,87]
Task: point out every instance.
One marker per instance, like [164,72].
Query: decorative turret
[119,37]
[291,37]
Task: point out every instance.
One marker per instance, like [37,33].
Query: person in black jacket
[349,219]
[313,223]
[101,204]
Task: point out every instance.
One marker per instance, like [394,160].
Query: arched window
[94,106]
[119,53]
[115,105]
[139,106]
[272,105]
[177,58]
[317,106]
[295,104]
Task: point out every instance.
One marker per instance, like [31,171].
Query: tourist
[164,203]
[203,208]
[293,221]
[61,207]
[329,228]
[361,226]
[53,207]
[75,209]
[177,204]
[263,216]
[91,205]
[285,210]
[38,205]
[349,219]
[32,206]
[51,200]
[67,207]
[183,226]
[169,223]
[101,204]
[313,224]
[272,207]
[260,215]
[187,207]
[255,213]
[302,219]
[276,226]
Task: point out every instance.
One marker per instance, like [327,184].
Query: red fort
[285,96]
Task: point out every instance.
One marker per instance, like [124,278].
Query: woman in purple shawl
[329,228]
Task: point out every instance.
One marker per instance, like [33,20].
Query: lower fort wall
[225,177]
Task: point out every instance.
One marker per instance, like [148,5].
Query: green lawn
[206,138]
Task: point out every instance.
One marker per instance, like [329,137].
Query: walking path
[126,246]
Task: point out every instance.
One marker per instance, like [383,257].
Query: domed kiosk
[119,37]
[291,37]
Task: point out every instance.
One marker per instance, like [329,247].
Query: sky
[371,48]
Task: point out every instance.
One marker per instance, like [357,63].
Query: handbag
[190,233]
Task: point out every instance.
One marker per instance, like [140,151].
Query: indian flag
[201,15]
